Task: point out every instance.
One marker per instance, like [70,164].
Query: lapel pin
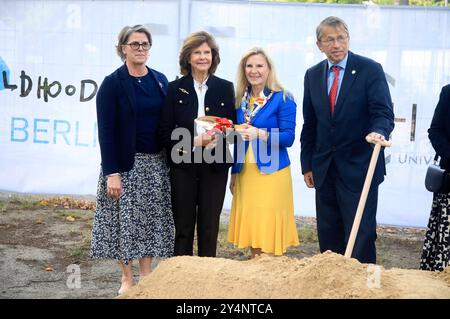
[222,104]
[160,85]
[353,72]
[184,91]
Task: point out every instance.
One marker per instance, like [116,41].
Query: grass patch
[308,234]
[25,203]
[80,252]
[3,207]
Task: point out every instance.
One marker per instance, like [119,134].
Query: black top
[181,109]
[439,131]
[149,101]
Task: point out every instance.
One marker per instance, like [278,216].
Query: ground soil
[45,241]
[327,275]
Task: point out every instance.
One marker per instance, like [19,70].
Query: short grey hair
[331,21]
[124,35]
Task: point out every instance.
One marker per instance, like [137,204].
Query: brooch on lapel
[183,90]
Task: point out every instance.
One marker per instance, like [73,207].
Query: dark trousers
[336,208]
[198,193]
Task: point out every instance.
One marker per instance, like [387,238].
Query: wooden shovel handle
[364,193]
[382,143]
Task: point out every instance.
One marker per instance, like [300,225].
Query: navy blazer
[116,118]
[439,131]
[181,109]
[363,106]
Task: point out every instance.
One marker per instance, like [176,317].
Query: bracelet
[113,174]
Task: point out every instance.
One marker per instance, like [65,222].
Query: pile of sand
[328,275]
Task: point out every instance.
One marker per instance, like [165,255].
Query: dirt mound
[445,275]
[328,275]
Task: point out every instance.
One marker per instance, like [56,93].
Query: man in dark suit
[346,98]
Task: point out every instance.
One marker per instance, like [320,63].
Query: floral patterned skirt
[436,247]
[140,223]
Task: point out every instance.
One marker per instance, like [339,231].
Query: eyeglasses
[330,41]
[136,45]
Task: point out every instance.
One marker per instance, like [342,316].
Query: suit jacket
[181,109]
[116,117]
[363,105]
[439,131]
[278,118]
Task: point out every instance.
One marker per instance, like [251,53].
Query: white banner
[54,55]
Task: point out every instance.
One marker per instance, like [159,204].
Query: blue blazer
[363,105]
[439,131]
[116,118]
[278,118]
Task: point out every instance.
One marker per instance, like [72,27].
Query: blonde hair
[193,41]
[242,82]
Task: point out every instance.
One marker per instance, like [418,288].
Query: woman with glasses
[262,210]
[198,185]
[133,217]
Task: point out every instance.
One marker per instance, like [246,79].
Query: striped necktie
[334,87]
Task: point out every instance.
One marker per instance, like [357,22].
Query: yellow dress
[262,210]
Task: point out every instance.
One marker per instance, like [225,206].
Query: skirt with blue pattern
[140,223]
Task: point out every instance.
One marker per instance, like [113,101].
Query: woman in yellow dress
[262,213]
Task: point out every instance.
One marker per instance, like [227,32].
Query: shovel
[364,193]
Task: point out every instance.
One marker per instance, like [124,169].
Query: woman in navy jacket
[436,247]
[133,217]
[262,212]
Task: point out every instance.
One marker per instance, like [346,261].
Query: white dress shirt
[200,89]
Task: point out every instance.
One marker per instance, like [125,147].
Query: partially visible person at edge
[346,99]
[436,246]
[262,212]
[133,217]
[198,186]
